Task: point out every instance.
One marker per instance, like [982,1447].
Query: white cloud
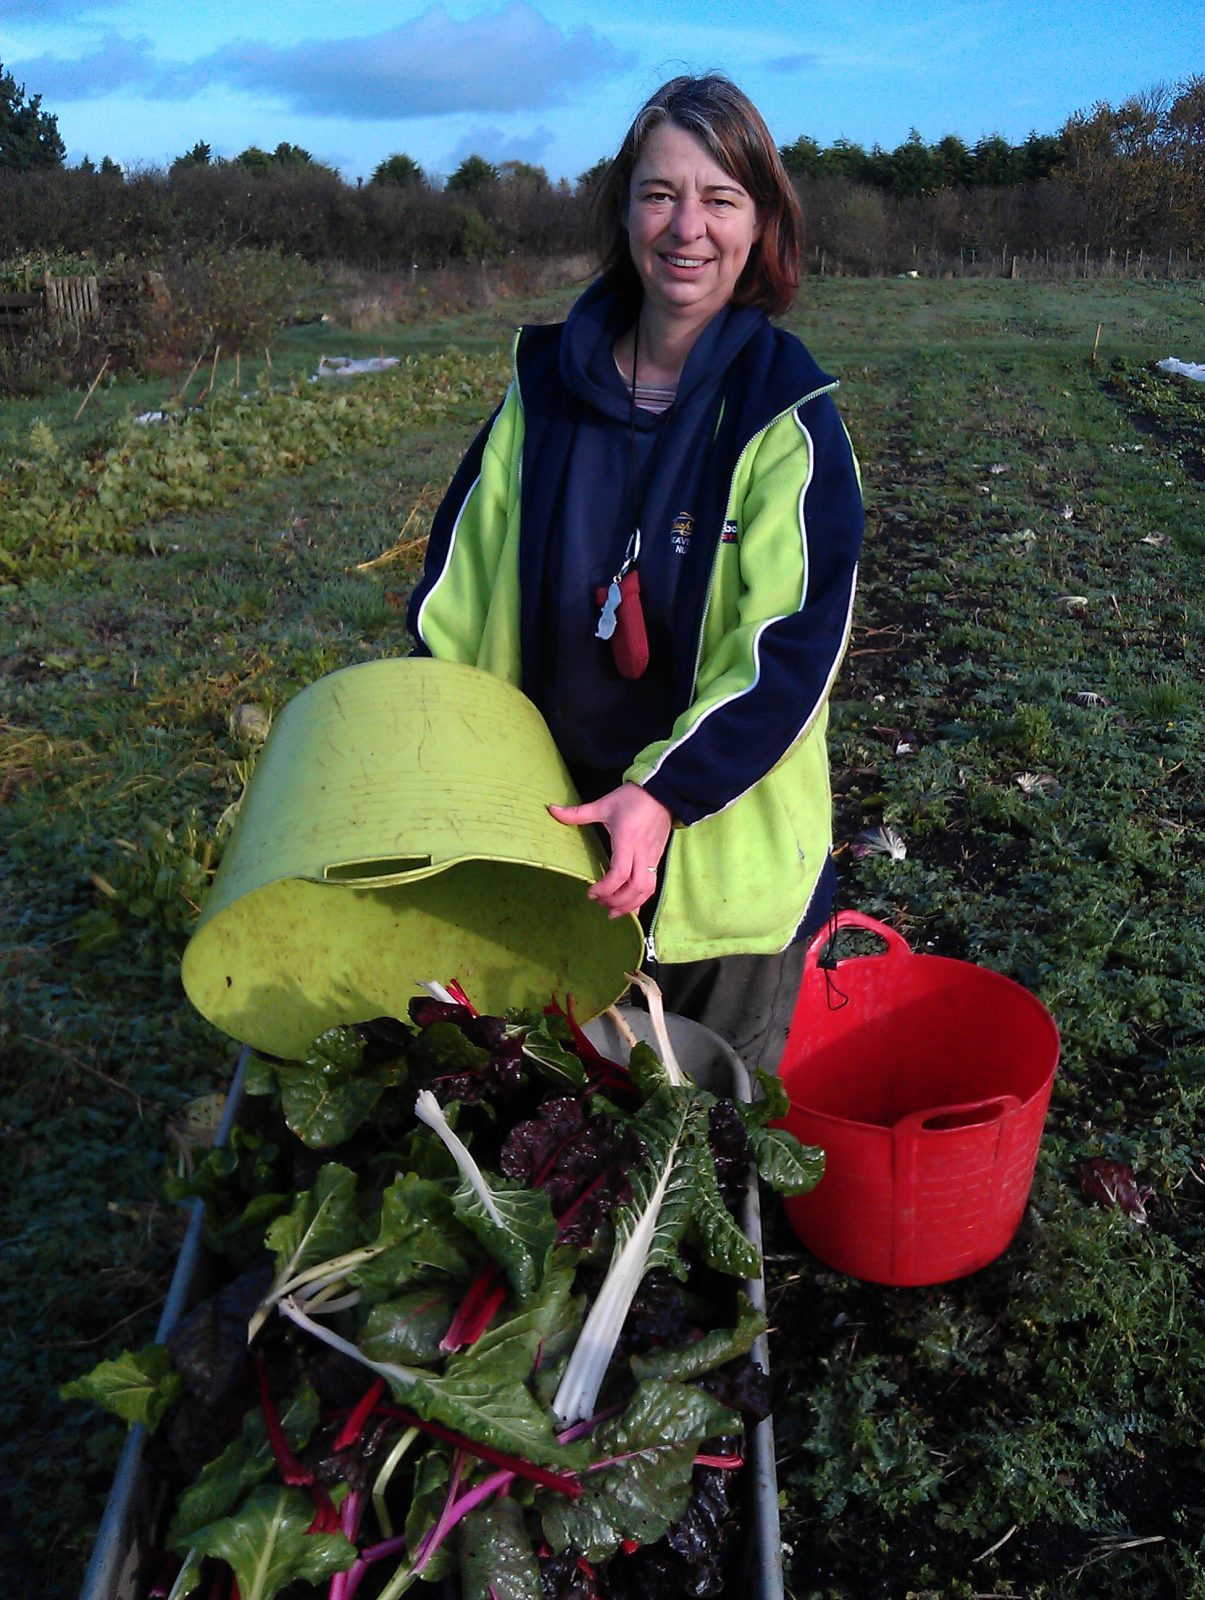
[512,59]
[117,63]
[496,145]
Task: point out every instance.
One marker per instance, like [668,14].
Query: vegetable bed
[524,1372]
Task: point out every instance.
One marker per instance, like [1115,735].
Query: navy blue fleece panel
[797,655]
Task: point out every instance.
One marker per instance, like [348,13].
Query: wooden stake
[213,373]
[238,369]
[190,377]
[103,369]
[1096,341]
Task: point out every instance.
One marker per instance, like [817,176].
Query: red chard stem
[357,1421]
[562,1482]
[291,1470]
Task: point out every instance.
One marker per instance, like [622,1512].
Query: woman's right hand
[638,827]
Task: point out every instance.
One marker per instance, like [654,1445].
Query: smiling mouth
[685,261]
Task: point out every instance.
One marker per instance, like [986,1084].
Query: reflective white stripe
[418,621]
[803,526]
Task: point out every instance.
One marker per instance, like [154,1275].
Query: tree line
[1124,182]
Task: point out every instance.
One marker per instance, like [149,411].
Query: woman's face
[691,225]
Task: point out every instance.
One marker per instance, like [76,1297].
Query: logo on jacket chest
[681,529]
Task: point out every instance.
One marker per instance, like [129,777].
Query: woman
[655,537]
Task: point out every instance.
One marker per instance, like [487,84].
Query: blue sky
[556,81]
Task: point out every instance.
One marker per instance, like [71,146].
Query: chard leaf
[427,1498]
[408,1329]
[787,1166]
[479,1394]
[772,1104]
[723,1243]
[137,1386]
[560,1318]
[649,1072]
[641,1484]
[500,1413]
[691,1361]
[243,1464]
[673,1124]
[322,1224]
[483,1391]
[523,1243]
[514,1347]
[551,1056]
[442,1049]
[496,1558]
[268,1547]
[240,1183]
[516,1226]
[259,1077]
[417,1236]
[326,1097]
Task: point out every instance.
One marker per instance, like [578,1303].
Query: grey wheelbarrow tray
[137,1507]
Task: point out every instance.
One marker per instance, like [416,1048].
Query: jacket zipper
[650,948]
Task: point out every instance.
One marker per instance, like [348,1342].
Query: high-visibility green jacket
[743,768]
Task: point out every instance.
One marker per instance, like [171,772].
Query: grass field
[1031,609]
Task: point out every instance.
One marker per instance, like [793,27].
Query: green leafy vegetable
[417,1238]
[268,1546]
[642,1484]
[323,1223]
[550,1054]
[786,1165]
[723,1244]
[647,1234]
[137,1386]
[240,1466]
[408,1330]
[496,1560]
[717,1346]
[329,1095]
[514,1224]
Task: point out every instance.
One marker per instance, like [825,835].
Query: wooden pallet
[77,302]
[73,301]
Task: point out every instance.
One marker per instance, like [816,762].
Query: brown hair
[731,127]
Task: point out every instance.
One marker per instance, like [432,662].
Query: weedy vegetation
[1022,708]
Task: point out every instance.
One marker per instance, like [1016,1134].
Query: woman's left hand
[638,827]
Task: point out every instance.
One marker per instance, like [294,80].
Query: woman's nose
[689,218]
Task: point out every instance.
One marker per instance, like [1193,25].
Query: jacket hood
[587,363]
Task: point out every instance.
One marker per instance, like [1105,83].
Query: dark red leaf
[1113,1183]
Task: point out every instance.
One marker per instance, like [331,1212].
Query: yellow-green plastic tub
[396,830]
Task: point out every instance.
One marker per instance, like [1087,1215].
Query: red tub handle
[897,946]
[945,1119]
